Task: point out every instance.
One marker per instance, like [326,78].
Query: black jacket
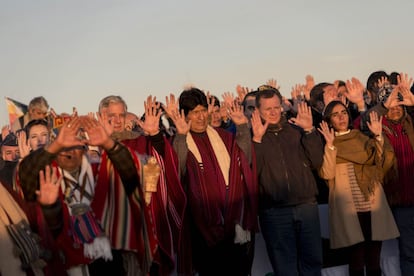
[285,159]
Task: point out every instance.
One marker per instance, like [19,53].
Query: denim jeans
[293,239]
[404,217]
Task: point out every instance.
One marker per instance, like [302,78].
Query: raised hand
[211,102]
[241,92]
[273,83]
[310,83]
[297,94]
[106,123]
[236,114]
[49,187]
[171,105]
[304,117]
[327,132]
[24,148]
[171,108]
[258,128]
[152,116]
[375,123]
[355,92]
[228,98]
[393,99]
[404,86]
[68,135]
[95,132]
[382,81]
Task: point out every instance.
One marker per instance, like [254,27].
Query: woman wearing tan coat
[354,164]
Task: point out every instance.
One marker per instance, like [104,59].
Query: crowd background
[134,48]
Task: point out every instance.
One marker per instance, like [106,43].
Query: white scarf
[100,247]
[220,151]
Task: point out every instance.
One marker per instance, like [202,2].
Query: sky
[75,52]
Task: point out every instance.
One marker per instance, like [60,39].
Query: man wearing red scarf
[163,215]
[221,217]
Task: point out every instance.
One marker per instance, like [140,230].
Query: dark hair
[216,101]
[328,112]
[267,94]
[372,81]
[191,98]
[35,122]
[393,78]
[341,83]
[316,96]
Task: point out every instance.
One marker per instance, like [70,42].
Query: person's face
[250,106]
[10,153]
[199,118]
[37,113]
[395,113]
[38,137]
[215,117]
[70,160]
[271,109]
[116,114]
[339,118]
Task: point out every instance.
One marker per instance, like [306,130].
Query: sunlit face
[215,117]
[270,109]
[10,153]
[37,113]
[395,113]
[38,137]
[199,118]
[339,118]
[70,160]
[116,114]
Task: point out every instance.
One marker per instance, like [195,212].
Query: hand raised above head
[236,114]
[68,135]
[304,117]
[152,116]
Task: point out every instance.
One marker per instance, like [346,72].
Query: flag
[15,109]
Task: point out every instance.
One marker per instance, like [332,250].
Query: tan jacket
[344,226]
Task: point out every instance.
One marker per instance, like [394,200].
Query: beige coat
[344,226]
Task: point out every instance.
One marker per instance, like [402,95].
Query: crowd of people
[184,188]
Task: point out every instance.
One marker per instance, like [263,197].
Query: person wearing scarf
[163,215]
[397,127]
[354,166]
[44,217]
[119,156]
[221,217]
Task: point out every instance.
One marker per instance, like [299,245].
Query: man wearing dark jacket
[286,152]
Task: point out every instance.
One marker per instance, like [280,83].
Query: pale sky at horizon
[76,52]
